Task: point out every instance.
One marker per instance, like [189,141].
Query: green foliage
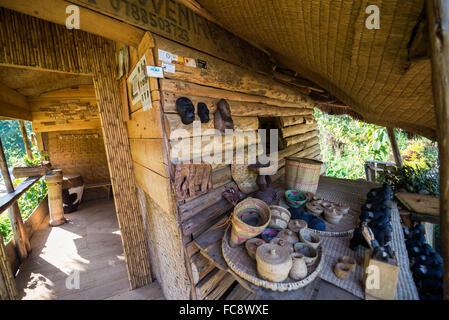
[412,179]
[15,153]
[27,203]
[346,145]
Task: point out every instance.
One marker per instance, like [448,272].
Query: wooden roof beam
[90,21]
[13,105]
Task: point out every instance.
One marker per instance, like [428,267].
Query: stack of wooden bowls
[333,212]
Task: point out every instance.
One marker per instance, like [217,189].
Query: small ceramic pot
[297,225]
[310,253]
[251,246]
[273,262]
[295,198]
[283,243]
[288,235]
[299,267]
[332,216]
[313,208]
[342,271]
[307,237]
[348,261]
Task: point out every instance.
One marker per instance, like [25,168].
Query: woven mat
[334,248]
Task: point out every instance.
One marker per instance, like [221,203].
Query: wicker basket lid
[305,160]
[273,254]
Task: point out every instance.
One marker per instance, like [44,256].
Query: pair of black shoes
[186,110]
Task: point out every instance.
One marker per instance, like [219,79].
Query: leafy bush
[410,179]
[28,202]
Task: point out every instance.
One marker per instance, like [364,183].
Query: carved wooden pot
[299,267]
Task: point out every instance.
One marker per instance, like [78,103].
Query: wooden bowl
[332,216]
[297,225]
[288,235]
[310,253]
[251,246]
[314,208]
[348,261]
[309,238]
[283,243]
[342,271]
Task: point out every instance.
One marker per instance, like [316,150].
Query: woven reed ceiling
[328,43]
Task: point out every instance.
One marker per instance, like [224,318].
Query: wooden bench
[106,185]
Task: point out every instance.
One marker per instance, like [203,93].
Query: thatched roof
[383,75]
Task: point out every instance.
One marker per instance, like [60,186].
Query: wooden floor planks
[91,244]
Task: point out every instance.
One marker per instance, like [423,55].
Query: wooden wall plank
[150,154]
[191,89]
[224,75]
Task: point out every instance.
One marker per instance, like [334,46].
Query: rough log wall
[250,97]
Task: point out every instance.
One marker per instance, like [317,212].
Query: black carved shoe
[203,112]
[186,110]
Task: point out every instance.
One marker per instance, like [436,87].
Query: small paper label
[168,67]
[164,56]
[155,72]
[189,62]
[178,60]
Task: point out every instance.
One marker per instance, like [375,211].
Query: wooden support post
[23,246]
[25,140]
[54,184]
[395,148]
[8,290]
[438,19]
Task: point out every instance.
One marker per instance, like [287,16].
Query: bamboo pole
[25,140]
[438,19]
[21,240]
[8,289]
[395,148]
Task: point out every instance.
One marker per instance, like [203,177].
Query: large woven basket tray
[245,267]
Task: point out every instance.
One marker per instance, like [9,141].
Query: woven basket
[302,174]
[245,267]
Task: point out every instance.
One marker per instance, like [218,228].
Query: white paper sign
[155,72]
[140,85]
[168,67]
[189,62]
[164,56]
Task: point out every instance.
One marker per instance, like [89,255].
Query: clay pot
[299,267]
[348,261]
[297,225]
[308,238]
[279,217]
[344,209]
[288,235]
[283,243]
[342,271]
[332,216]
[310,253]
[273,262]
[251,246]
[314,208]
[249,218]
